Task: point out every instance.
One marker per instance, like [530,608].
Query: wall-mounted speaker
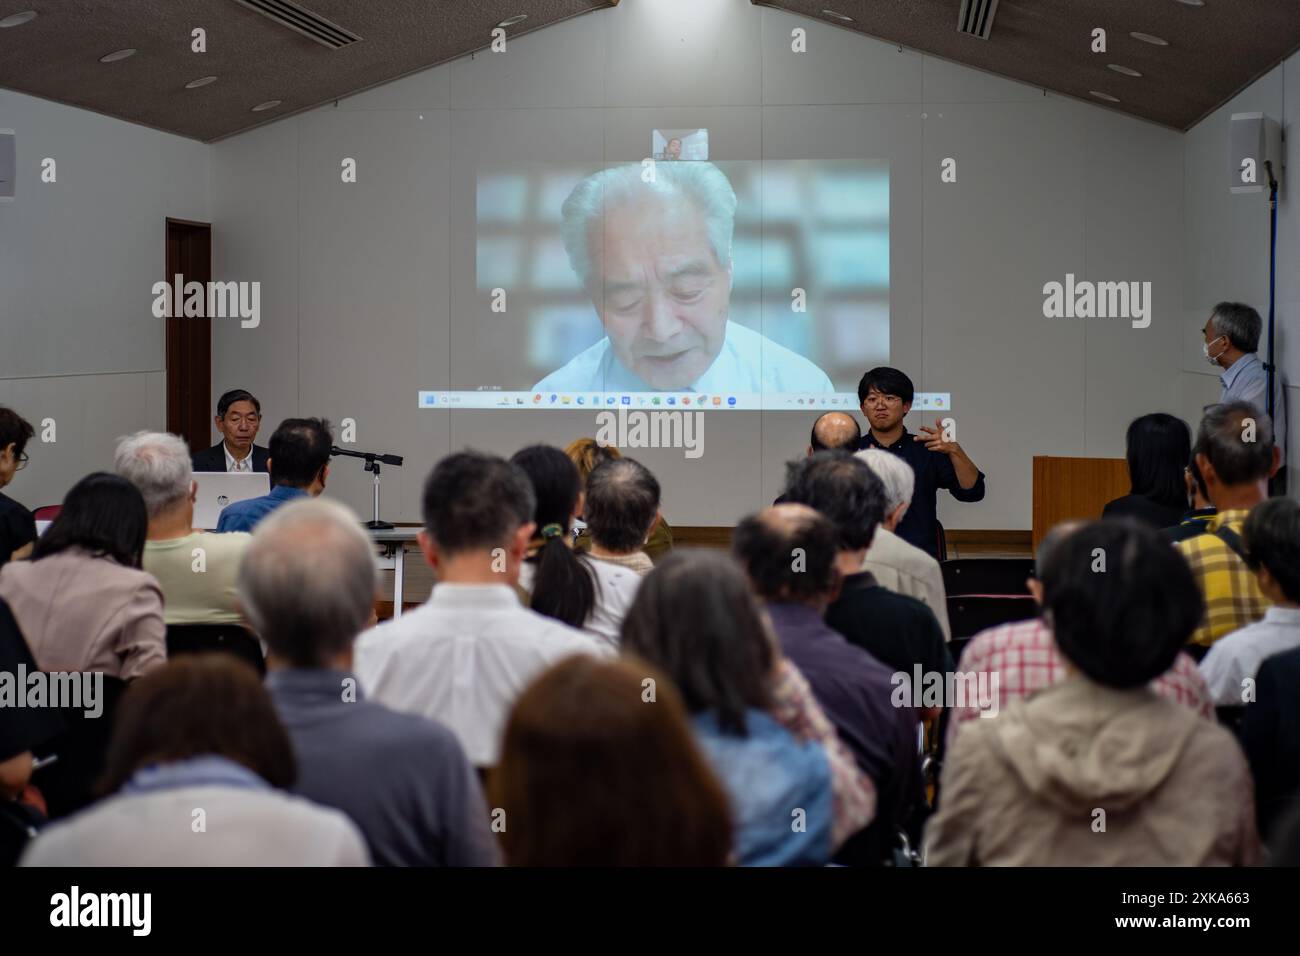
[8,164]
[1253,140]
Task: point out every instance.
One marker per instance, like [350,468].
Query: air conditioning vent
[976,17]
[302,21]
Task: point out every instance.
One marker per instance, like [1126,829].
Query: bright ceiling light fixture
[511,21]
[268,105]
[1103,96]
[117,55]
[1126,70]
[1150,38]
[201,81]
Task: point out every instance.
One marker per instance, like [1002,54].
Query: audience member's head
[1236,454]
[1043,556]
[102,514]
[1157,447]
[298,455]
[842,488]
[15,432]
[198,705]
[563,585]
[695,618]
[1271,536]
[477,510]
[622,505]
[1198,496]
[1120,601]
[885,397]
[1231,331]
[158,464]
[591,774]
[307,583]
[834,430]
[239,416]
[789,551]
[587,453]
[898,479]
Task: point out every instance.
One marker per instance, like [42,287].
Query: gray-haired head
[622,502]
[895,474]
[1236,439]
[158,464]
[1239,322]
[700,182]
[307,581]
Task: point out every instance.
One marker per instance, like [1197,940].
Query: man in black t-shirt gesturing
[886,396]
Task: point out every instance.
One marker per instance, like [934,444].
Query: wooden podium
[1074,488]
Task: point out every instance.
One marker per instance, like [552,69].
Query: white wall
[357,278]
[78,258]
[1226,239]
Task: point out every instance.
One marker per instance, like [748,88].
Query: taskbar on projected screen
[676,401]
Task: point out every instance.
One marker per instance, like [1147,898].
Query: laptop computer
[219,488]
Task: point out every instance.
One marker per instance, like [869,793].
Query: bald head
[835,430]
[789,553]
[307,581]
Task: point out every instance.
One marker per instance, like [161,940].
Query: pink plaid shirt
[1026,660]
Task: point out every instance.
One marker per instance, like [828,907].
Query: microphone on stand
[373,460]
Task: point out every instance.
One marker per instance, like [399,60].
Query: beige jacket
[1085,775]
[905,569]
[81,613]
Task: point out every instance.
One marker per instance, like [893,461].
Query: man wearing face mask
[1231,343]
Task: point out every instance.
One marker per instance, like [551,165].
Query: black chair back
[216,638]
[969,615]
[999,577]
[67,783]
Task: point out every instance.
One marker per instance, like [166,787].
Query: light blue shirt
[748,362]
[1246,380]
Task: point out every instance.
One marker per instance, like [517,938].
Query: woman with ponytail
[591,595]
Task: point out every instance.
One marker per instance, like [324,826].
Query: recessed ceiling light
[117,55]
[1104,96]
[1126,70]
[511,21]
[201,81]
[18,19]
[1150,38]
[268,105]
[838,16]
[1192,3]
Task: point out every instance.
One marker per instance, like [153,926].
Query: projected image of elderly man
[655,257]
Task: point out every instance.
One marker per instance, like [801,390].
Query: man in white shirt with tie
[655,257]
[466,654]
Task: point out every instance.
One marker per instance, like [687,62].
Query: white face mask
[1205,350]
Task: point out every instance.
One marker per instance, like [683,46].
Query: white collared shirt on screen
[749,362]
